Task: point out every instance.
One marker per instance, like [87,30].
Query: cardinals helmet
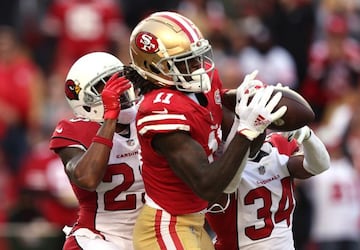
[169,50]
[86,79]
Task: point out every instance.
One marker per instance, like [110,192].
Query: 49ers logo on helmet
[72,90]
[147,42]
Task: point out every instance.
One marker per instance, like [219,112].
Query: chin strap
[218,208]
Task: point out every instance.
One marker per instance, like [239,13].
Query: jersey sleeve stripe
[160,117]
[164,127]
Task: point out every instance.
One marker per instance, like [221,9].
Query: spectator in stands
[46,199]
[82,26]
[333,67]
[275,63]
[20,97]
[8,198]
[335,201]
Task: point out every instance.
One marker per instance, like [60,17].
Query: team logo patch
[72,90]
[147,42]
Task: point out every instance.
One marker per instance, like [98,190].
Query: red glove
[110,95]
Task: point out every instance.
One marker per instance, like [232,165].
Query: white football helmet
[164,48]
[86,78]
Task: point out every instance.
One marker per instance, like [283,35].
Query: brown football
[298,114]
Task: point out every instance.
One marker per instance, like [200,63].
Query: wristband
[103,140]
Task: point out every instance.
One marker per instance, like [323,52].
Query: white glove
[248,86]
[257,115]
[280,86]
[301,134]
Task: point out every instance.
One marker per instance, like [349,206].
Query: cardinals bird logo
[72,90]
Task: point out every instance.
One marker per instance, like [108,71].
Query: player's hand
[249,85]
[257,115]
[110,95]
[301,134]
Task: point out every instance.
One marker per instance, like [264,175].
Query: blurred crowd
[312,46]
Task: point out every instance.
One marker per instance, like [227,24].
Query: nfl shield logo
[261,170]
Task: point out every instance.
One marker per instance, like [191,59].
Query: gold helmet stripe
[183,23]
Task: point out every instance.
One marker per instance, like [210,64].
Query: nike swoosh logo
[59,130]
[164,111]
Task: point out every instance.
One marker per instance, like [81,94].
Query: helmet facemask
[127,99]
[92,90]
[191,71]
[128,107]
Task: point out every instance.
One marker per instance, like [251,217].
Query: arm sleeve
[316,157]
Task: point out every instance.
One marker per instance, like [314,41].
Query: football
[298,114]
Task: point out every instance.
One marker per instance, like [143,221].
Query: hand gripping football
[298,114]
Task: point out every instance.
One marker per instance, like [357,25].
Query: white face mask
[128,115]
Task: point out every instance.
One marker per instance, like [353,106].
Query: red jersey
[17,80]
[164,111]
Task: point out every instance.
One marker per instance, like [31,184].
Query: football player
[260,212]
[179,130]
[99,149]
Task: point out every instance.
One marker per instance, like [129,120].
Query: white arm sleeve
[234,184]
[316,157]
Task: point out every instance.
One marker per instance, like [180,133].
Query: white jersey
[122,186]
[260,214]
[266,202]
[110,211]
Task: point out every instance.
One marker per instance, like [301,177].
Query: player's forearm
[229,99]
[316,157]
[230,164]
[91,167]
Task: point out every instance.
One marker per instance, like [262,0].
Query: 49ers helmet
[163,48]
[85,81]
